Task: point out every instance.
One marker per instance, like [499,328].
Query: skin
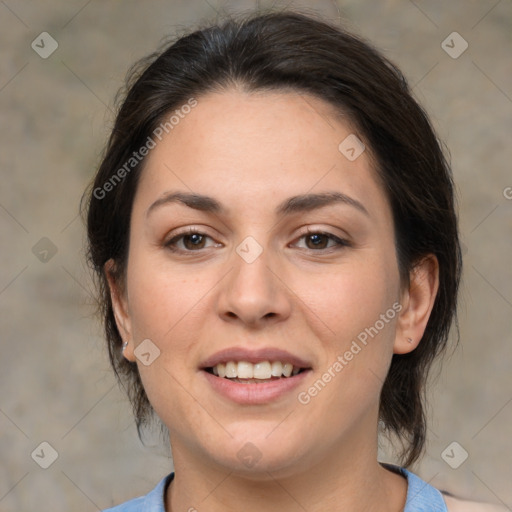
[251,151]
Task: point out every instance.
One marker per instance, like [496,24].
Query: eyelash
[340,243]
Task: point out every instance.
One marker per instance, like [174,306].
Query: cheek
[358,309]
[166,308]
[161,300]
[351,298]
[163,309]
[361,312]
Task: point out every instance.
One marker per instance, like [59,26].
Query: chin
[256,455]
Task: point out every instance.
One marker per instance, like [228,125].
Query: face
[288,263]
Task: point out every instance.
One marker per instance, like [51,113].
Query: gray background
[56,385]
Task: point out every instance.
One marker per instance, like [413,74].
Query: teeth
[287,369]
[277,369]
[245,370]
[231,370]
[263,370]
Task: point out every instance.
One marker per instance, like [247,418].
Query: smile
[246,372]
[262,388]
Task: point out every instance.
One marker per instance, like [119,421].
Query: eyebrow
[295,204]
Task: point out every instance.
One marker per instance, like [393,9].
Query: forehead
[252,148]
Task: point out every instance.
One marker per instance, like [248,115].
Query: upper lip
[254,356]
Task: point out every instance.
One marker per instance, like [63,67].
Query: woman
[274,232]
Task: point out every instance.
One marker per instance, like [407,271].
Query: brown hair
[290,50]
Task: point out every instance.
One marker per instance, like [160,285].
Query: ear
[120,309]
[417,302]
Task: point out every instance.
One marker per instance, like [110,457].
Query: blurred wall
[56,110]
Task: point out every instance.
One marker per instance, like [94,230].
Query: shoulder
[458,505]
[154,501]
[128,506]
[423,497]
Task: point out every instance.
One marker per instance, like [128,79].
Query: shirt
[421,496]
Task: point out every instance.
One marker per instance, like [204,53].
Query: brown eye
[191,241]
[194,241]
[318,241]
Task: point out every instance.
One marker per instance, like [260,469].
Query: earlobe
[120,309]
[417,300]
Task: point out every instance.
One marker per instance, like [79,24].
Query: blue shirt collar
[421,496]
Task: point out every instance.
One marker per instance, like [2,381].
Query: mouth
[254,377]
[261,372]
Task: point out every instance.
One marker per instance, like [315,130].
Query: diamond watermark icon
[454,455]
[249,455]
[44,45]
[351,147]
[146,352]
[45,455]
[249,249]
[454,45]
[44,250]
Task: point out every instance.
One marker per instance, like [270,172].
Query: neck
[348,478]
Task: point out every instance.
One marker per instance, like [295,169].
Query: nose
[254,292]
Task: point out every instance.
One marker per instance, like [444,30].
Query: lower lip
[253,393]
